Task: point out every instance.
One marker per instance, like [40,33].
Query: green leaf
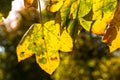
[71,27]
[64,11]
[103,13]
[74,9]
[84,7]
[86,24]
[103,7]
[44,41]
[26,47]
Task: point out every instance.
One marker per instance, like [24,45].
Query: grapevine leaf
[44,41]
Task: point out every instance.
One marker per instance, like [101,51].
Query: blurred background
[90,59]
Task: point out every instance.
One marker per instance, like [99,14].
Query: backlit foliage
[47,38]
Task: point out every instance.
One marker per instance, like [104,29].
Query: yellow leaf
[44,41]
[103,7]
[54,1]
[99,27]
[55,7]
[86,24]
[23,49]
[112,35]
[84,8]
[103,13]
[97,5]
[66,42]
[101,24]
[31,3]
[49,61]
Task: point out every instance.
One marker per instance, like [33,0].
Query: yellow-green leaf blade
[66,42]
[103,7]
[84,7]
[71,27]
[55,7]
[64,11]
[29,42]
[48,61]
[44,41]
[52,35]
[74,9]
[103,13]
[86,24]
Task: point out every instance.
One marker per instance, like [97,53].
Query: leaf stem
[91,27]
[39,9]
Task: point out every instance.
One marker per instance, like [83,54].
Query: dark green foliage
[5,6]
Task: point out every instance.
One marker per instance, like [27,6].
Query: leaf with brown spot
[45,41]
[112,36]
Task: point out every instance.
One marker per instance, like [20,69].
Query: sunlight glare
[2,49]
